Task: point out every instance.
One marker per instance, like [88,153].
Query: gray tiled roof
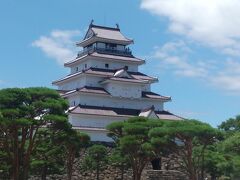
[106,57]
[153,95]
[111,56]
[108,33]
[102,33]
[110,111]
[105,111]
[88,89]
[107,73]
[100,90]
[125,80]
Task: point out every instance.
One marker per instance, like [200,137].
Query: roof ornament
[91,23]
[117,25]
[152,107]
[125,68]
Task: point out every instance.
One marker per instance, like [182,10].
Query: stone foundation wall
[164,175]
[114,173]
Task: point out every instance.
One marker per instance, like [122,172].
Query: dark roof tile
[147,94]
[110,111]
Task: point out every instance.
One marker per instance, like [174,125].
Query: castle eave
[152,95]
[87,89]
[104,34]
[109,57]
[124,80]
[119,112]
[89,128]
[102,39]
[105,73]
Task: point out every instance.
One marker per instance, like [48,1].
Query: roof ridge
[104,27]
[105,107]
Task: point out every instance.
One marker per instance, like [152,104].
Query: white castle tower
[104,84]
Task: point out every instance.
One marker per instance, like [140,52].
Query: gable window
[106,65]
[126,67]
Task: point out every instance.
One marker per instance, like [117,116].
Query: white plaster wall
[112,65]
[80,121]
[93,81]
[80,82]
[124,90]
[101,64]
[146,87]
[80,66]
[109,101]
[92,121]
[73,83]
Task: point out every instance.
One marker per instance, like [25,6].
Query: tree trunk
[191,170]
[203,159]
[26,159]
[16,157]
[137,174]
[70,161]
[122,170]
[202,168]
[44,173]
[213,177]
[97,171]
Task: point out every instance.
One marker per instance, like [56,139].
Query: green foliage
[4,165]
[231,148]
[23,113]
[119,160]
[188,139]
[231,125]
[96,158]
[48,156]
[232,144]
[132,139]
[115,130]
[217,163]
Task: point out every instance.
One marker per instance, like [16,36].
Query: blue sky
[193,47]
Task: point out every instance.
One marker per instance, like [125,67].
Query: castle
[105,86]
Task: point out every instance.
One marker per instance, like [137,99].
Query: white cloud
[212,22]
[175,56]
[229,77]
[59,45]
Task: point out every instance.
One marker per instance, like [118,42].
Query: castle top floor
[108,35]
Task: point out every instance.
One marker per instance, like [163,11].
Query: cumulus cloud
[176,57]
[215,23]
[59,45]
[229,77]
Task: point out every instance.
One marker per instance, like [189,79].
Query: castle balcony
[126,52]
